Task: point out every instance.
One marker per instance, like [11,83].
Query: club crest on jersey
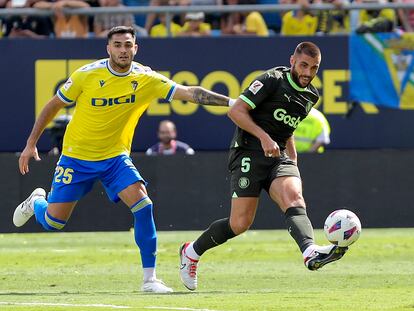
[308,107]
[68,84]
[134,85]
[244,182]
[255,87]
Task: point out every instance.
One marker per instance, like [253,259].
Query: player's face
[121,49]
[166,133]
[304,68]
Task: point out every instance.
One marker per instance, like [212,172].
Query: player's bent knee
[240,225]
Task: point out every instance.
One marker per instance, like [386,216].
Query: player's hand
[270,147]
[27,153]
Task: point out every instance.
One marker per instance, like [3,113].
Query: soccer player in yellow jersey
[110,95]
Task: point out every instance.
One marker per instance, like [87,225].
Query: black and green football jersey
[279,105]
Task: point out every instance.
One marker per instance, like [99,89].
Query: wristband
[231,102]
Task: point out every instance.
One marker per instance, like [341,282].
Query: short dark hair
[308,48]
[120,30]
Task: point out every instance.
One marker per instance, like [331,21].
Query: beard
[118,63]
[296,77]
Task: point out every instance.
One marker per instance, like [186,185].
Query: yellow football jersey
[108,107]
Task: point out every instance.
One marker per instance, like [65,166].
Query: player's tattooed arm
[204,97]
[201,96]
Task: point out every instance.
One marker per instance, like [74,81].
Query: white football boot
[188,269]
[318,256]
[155,286]
[25,210]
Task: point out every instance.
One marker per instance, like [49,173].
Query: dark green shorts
[251,171]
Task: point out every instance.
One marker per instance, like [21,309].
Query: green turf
[260,270]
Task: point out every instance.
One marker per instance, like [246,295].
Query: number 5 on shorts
[67,175]
[245,164]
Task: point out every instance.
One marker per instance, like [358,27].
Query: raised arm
[239,114]
[201,96]
[46,116]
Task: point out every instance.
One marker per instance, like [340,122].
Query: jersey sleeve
[259,89]
[72,88]
[162,87]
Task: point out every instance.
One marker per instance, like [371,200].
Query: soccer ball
[342,227]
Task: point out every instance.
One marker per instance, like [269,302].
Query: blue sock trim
[41,214]
[54,222]
[145,233]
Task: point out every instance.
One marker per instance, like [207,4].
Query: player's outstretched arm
[201,96]
[46,116]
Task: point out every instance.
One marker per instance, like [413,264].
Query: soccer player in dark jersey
[263,156]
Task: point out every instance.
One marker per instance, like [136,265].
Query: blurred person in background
[299,22]
[313,133]
[332,21]
[24,26]
[160,30]
[229,20]
[140,19]
[104,22]
[263,157]
[151,18]
[371,21]
[211,18]
[245,23]
[406,16]
[111,95]
[168,144]
[195,26]
[65,25]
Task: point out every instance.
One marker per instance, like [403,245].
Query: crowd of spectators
[295,22]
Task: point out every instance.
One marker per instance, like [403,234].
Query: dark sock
[299,226]
[218,233]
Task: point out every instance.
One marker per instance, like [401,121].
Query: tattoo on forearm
[205,97]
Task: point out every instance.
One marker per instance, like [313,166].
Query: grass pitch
[260,270]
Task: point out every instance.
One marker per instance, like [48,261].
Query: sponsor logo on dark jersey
[282,116]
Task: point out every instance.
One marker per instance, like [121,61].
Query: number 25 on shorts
[63,175]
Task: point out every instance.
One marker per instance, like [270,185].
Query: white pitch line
[177,308]
[99,305]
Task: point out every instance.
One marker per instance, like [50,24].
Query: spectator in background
[211,18]
[375,20]
[195,26]
[332,21]
[104,22]
[67,26]
[250,23]
[406,16]
[26,26]
[152,17]
[140,19]
[229,20]
[167,134]
[312,134]
[299,23]
[160,30]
